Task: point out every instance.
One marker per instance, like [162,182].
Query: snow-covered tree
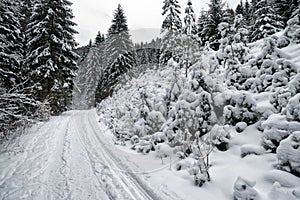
[189,27]
[88,75]
[50,53]
[171,31]
[200,25]
[119,52]
[10,45]
[267,21]
[189,40]
[214,18]
[99,38]
[293,26]
[240,8]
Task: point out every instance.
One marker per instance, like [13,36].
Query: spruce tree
[267,21]
[10,45]
[200,24]
[190,44]
[240,8]
[99,38]
[285,8]
[171,29]
[214,18]
[247,13]
[50,52]
[120,54]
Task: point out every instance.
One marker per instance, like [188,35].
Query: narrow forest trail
[68,158]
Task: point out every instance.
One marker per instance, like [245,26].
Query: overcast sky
[94,15]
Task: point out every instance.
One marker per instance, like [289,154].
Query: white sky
[94,15]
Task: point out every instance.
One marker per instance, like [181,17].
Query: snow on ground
[225,170]
[67,158]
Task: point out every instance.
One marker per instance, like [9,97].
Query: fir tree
[50,52]
[10,45]
[99,38]
[200,24]
[189,27]
[171,29]
[120,53]
[240,8]
[214,18]
[267,21]
[285,8]
[247,13]
[190,43]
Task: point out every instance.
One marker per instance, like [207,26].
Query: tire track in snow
[137,189]
[100,170]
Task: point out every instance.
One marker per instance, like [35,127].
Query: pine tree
[87,78]
[189,27]
[10,45]
[120,53]
[267,21]
[200,24]
[190,44]
[50,52]
[171,29]
[247,13]
[99,38]
[228,15]
[285,8]
[214,18]
[240,8]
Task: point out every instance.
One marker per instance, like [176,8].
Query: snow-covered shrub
[288,154]
[280,98]
[243,190]
[276,128]
[249,149]
[241,108]
[219,136]
[143,146]
[163,150]
[294,85]
[186,163]
[293,108]
[293,29]
[18,111]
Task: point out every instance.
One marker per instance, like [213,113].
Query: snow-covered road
[68,158]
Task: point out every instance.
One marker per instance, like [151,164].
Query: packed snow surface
[68,158]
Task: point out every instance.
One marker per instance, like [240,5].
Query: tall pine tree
[171,30]
[189,40]
[10,45]
[267,20]
[214,18]
[120,54]
[50,52]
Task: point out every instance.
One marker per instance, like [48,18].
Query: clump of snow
[278,193]
[288,153]
[243,190]
[240,127]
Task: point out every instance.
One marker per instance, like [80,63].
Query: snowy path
[68,158]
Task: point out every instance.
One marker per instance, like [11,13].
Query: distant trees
[214,18]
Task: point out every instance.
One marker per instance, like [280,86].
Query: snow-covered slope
[144,35]
[136,116]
